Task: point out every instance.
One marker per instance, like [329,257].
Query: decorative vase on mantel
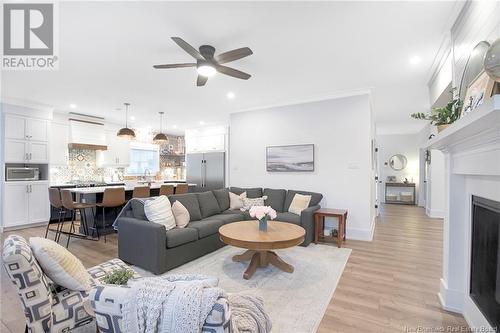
[263,214]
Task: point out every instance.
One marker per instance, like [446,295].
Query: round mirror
[492,61]
[473,67]
[398,162]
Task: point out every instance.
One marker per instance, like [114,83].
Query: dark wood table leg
[252,267]
[339,233]
[345,224]
[245,256]
[316,228]
[276,261]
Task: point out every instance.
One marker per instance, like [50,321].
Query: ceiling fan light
[126,132]
[206,70]
[160,138]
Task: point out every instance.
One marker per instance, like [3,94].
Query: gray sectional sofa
[149,246]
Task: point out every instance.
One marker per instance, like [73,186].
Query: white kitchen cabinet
[206,139]
[25,202]
[21,151]
[118,152]
[15,127]
[15,204]
[23,128]
[16,151]
[59,139]
[38,202]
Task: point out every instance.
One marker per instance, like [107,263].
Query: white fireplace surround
[472,167]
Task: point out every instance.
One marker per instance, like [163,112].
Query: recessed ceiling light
[206,70]
[132,118]
[73,106]
[202,123]
[415,60]
[174,126]
[230,95]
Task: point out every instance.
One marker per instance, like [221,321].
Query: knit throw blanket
[248,314]
[174,303]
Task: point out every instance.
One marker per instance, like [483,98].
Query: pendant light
[126,132]
[160,137]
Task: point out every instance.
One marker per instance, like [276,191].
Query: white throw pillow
[236,201]
[181,214]
[249,203]
[299,203]
[60,265]
[159,211]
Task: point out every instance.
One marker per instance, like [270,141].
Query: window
[143,157]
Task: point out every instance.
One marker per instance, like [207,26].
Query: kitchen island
[95,194]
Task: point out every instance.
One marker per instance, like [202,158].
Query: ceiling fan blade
[201,80]
[175,65]
[233,72]
[188,48]
[233,55]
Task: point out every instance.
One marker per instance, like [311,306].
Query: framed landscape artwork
[293,158]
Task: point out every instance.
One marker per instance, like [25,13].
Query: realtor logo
[29,36]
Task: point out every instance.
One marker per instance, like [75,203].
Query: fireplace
[485,258]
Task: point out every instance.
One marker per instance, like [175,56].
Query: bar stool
[55,201]
[181,188]
[141,192]
[69,204]
[113,197]
[167,190]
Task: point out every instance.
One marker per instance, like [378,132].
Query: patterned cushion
[250,202]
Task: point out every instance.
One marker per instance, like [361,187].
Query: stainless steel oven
[16,173]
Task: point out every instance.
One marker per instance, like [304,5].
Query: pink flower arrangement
[260,212]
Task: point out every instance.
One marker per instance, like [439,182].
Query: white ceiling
[301,51]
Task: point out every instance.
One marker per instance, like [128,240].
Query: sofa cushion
[229,218]
[190,201]
[315,198]
[181,214]
[159,210]
[208,204]
[222,197]
[138,209]
[275,198]
[299,203]
[254,192]
[288,217]
[206,227]
[179,236]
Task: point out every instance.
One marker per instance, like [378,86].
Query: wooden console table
[319,220]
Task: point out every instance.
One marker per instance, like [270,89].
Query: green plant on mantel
[442,116]
[119,276]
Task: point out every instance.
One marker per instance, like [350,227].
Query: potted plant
[263,214]
[442,117]
[119,276]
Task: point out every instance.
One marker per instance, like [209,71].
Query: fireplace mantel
[471,148]
[473,141]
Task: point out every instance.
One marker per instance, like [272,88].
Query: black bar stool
[74,207]
[55,201]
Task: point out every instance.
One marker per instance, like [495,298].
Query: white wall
[405,144]
[341,131]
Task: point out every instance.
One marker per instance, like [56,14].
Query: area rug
[296,302]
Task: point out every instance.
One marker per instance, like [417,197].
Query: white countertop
[100,189]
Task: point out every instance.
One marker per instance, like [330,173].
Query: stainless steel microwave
[16,173]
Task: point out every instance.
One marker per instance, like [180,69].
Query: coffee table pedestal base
[261,259]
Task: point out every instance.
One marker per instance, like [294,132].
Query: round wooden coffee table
[246,234]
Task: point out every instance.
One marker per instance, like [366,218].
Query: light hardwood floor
[389,285]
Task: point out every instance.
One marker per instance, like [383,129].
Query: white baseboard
[435,213]
[474,318]
[451,300]
[24,226]
[361,234]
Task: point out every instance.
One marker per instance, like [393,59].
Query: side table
[319,220]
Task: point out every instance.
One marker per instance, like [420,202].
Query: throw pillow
[60,265]
[181,214]
[236,201]
[250,202]
[159,211]
[299,203]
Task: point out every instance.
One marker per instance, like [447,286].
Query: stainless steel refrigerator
[206,170]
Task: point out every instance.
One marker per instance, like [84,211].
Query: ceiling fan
[207,63]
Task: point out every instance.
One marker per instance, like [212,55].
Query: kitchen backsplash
[82,165]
